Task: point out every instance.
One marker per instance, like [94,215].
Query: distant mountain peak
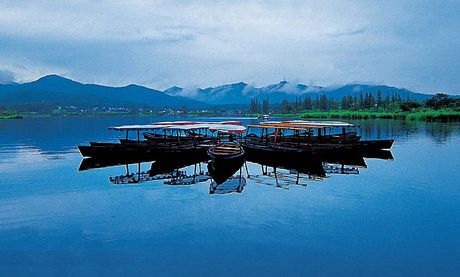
[173,91]
[133,86]
[232,85]
[175,88]
[54,79]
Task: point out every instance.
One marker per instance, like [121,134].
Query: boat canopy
[174,123]
[302,124]
[147,127]
[323,123]
[228,128]
[225,126]
[178,123]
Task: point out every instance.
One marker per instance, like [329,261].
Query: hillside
[241,93]
[52,90]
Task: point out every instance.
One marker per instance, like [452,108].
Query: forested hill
[52,90]
[242,93]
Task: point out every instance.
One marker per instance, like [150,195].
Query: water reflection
[54,137]
[394,216]
[231,177]
[316,167]
[232,184]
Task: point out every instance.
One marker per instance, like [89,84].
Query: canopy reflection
[233,177]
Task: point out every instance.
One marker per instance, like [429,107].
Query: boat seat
[227,148]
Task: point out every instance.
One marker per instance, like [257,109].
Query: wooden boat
[306,149]
[177,138]
[139,150]
[226,151]
[296,144]
[226,159]
[192,130]
[346,137]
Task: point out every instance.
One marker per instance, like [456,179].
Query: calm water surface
[396,217]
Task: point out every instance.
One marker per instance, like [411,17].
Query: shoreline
[446,115]
[427,115]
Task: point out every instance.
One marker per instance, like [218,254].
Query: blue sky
[411,44]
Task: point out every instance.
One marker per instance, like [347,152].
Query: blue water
[396,218]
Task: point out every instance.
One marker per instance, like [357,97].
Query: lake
[396,217]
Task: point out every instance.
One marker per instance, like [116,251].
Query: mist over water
[396,217]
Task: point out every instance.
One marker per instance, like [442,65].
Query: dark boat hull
[140,150]
[312,147]
[220,170]
[331,151]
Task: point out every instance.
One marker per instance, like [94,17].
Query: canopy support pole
[276,176]
[246,166]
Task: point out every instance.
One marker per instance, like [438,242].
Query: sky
[410,44]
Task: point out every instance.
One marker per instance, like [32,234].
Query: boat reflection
[233,184]
[232,177]
[227,176]
[292,170]
[221,171]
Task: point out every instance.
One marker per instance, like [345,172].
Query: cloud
[347,32]
[189,92]
[207,43]
[6,77]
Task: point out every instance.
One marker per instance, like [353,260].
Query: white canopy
[322,123]
[225,126]
[178,123]
[300,123]
[147,127]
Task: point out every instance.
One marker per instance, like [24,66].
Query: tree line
[359,101]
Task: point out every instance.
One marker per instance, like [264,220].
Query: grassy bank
[435,115]
[445,115]
[17,115]
[8,114]
[11,116]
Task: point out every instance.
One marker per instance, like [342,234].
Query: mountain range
[241,93]
[53,90]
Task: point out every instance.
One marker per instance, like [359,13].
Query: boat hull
[140,151]
[329,151]
[226,159]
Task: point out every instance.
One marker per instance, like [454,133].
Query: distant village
[183,111]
